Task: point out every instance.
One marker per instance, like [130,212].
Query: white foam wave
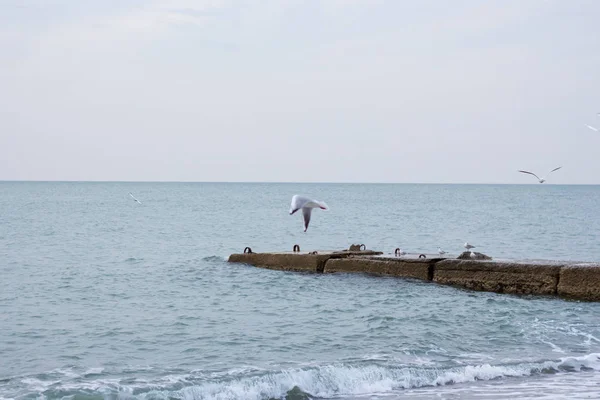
[94,371]
[332,381]
[589,362]
[325,381]
[38,385]
[215,259]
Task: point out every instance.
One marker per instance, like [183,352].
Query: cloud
[427,79]
[161,15]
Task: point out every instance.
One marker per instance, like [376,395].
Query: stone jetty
[571,280]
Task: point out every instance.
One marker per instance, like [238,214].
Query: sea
[102,297]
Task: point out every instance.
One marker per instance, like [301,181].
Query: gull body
[468,246]
[306,205]
[441,252]
[541,180]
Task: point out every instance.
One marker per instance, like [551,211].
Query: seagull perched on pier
[468,246]
[306,204]
[441,252]
[541,180]
[135,198]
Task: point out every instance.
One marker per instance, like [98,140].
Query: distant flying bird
[441,252]
[135,198]
[592,128]
[468,246]
[306,204]
[541,180]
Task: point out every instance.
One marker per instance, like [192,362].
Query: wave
[328,381]
[218,259]
[133,260]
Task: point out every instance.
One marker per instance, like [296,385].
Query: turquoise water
[101,297]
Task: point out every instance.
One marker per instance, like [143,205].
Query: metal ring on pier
[362,247]
[422,256]
[397,251]
[296,248]
[248,250]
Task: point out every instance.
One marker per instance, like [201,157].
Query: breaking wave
[328,381]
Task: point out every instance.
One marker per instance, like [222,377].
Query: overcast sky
[297,91]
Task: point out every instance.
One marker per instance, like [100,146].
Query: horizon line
[297,182]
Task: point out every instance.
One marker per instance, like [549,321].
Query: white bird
[468,246]
[401,252]
[135,198]
[306,204]
[441,252]
[473,255]
[592,128]
[541,180]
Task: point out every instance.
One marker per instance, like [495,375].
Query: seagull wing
[530,173]
[135,198]
[551,172]
[554,169]
[306,215]
[321,205]
[297,203]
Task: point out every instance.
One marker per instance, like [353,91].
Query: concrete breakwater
[573,280]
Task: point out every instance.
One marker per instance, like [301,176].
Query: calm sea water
[101,297]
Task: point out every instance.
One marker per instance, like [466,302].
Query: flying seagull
[541,180]
[592,128]
[468,246]
[135,198]
[306,204]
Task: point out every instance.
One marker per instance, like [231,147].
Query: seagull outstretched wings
[306,205]
[135,198]
[541,180]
